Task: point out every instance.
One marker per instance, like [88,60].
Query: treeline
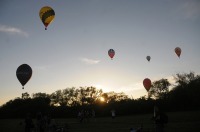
[184,95]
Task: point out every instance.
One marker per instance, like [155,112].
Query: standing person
[79,115]
[160,119]
[28,123]
[82,116]
[51,124]
[40,122]
[93,115]
[87,116]
[113,114]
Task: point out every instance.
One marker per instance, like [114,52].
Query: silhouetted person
[28,123]
[113,114]
[93,114]
[40,122]
[50,124]
[160,119]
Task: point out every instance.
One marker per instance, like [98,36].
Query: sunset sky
[73,51]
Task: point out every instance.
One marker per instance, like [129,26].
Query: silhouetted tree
[40,95]
[25,95]
[184,79]
[159,89]
[186,93]
[114,97]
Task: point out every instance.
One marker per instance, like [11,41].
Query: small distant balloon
[47,15]
[111,53]
[178,51]
[148,58]
[147,84]
[24,73]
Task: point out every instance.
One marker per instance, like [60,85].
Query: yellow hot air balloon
[47,15]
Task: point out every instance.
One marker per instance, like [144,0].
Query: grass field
[178,122]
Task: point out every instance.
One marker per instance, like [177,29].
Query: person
[40,122]
[51,124]
[87,115]
[160,118]
[82,116]
[93,114]
[113,114]
[79,115]
[28,123]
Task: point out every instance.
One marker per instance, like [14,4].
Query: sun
[102,99]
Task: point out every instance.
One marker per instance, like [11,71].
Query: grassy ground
[178,122]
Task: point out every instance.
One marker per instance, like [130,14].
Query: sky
[73,51]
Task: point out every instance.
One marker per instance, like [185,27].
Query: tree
[25,95]
[186,93]
[114,97]
[40,95]
[89,95]
[159,89]
[76,96]
[57,98]
[184,78]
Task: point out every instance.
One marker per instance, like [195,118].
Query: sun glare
[102,99]
[98,86]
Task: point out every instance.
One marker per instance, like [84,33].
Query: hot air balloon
[24,73]
[111,53]
[148,58]
[178,51]
[47,15]
[147,83]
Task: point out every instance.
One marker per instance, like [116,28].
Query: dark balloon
[148,58]
[24,73]
[111,53]
[178,51]
[147,84]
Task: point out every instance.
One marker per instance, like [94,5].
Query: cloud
[12,30]
[133,87]
[90,61]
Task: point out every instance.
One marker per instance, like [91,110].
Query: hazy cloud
[134,90]
[132,87]
[90,61]
[13,30]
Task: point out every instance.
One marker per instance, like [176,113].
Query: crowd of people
[43,123]
[84,115]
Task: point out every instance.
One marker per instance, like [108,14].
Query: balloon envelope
[47,15]
[178,51]
[148,58]
[147,83]
[111,53]
[24,73]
